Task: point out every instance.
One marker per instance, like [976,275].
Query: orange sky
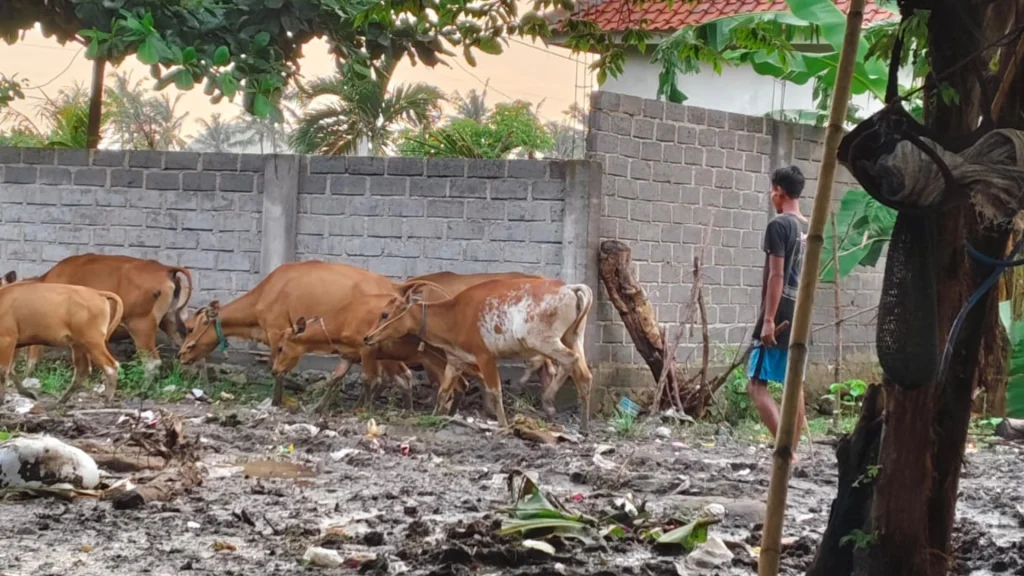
[525,71]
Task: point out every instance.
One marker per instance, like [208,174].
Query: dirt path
[432,508]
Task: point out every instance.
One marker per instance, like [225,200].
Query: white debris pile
[44,461]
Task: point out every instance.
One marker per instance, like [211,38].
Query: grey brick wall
[669,170]
[181,208]
[400,216]
[404,217]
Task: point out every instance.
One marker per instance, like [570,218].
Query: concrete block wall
[200,211]
[405,217]
[671,169]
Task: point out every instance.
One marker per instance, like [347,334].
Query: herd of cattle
[448,325]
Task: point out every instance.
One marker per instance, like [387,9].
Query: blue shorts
[768,364]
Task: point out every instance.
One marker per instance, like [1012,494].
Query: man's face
[778,197]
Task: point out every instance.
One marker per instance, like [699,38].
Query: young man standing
[783,247]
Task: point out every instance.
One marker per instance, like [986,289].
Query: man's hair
[790,179]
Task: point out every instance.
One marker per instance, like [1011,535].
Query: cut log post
[615,265]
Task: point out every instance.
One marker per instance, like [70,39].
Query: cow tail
[115,319]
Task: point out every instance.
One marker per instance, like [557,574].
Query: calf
[60,315]
[515,318]
[443,285]
[153,294]
[264,313]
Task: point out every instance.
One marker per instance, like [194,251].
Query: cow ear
[11,277]
[300,326]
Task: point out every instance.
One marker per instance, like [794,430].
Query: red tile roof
[620,15]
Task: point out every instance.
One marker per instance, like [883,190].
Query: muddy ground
[424,498]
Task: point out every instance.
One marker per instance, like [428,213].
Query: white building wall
[738,89]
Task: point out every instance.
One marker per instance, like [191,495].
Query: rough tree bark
[99,67]
[922,443]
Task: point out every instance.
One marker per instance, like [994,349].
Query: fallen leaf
[221,546]
[86,548]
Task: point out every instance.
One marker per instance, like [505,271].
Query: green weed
[624,424]
[429,421]
[860,540]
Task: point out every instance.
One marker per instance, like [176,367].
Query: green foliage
[859,539]
[138,120]
[624,423]
[1015,365]
[688,536]
[510,130]
[864,227]
[10,90]
[354,108]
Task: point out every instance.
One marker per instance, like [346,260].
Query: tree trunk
[92,140]
[922,445]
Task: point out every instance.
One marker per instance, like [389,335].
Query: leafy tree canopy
[252,47]
[510,130]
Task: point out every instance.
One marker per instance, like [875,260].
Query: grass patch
[625,424]
[429,421]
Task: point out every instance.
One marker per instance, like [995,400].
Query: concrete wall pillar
[280,210]
[581,238]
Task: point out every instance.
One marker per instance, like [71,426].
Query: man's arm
[772,297]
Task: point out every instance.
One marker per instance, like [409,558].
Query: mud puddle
[425,498]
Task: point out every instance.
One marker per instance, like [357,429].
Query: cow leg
[461,386]
[100,356]
[143,332]
[444,392]
[170,327]
[564,360]
[582,377]
[7,350]
[370,379]
[80,359]
[492,384]
[332,385]
[32,359]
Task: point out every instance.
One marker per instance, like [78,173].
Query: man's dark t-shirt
[782,238]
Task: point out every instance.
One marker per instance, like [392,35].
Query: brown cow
[265,313]
[153,295]
[444,285]
[60,315]
[499,319]
[342,333]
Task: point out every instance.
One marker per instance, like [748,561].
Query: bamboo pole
[768,564]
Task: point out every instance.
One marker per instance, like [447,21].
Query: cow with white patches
[498,319]
[60,315]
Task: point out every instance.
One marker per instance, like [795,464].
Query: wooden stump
[615,265]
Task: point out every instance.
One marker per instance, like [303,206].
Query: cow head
[200,334]
[9,278]
[290,348]
[401,316]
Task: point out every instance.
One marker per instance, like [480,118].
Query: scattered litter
[714,510]
[405,449]
[679,445]
[710,554]
[276,469]
[38,461]
[199,395]
[344,453]
[604,463]
[577,497]
[663,432]
[538,545]
[221,546]
[192,525]
[86,548]
[628,406]
[673,415]
[684,485]
[299,430]
[32,383]
[170,388]
[322,557]
[214,472]
[226,396]
[19,404]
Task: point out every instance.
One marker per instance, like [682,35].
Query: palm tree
[472,106]
[217,135]
[569,134]
[67,116]
[361,110]
[265,132]
[139,121]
